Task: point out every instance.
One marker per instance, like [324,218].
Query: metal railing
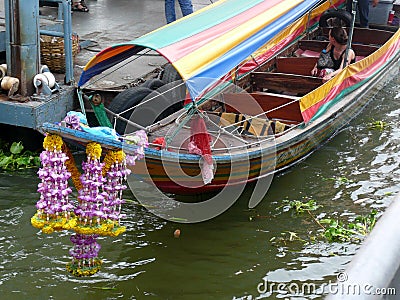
[374,272]
[64,15]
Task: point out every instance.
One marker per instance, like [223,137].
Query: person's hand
[327,77]
[375,2]
[314,71]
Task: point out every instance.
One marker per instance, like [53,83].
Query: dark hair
[340,35]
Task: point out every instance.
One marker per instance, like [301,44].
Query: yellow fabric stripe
[195,60]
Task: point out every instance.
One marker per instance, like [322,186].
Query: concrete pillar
[22,42]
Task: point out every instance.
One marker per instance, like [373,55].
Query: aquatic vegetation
[377,125]
[301,206]
[331,229]
[288,236]
[340,179]
[337,231]
[14,158]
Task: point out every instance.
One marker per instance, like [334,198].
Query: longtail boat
[235,100]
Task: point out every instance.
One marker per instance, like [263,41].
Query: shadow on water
[237,255]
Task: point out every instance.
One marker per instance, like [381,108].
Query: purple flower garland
[84,255]
[98,211]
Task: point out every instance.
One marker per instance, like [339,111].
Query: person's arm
[375,2]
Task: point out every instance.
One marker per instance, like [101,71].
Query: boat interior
[272,91]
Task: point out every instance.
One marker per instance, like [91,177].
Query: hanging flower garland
[100,188]
[116,174]
[90,196]
[54,211]
[85,261]
[96,210]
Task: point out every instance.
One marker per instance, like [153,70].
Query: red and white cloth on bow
[200,144]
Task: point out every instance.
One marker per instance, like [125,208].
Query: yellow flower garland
[111,157]
[55,223]
[71,167]
[80,271]
[108,228]
[93,150]
[52,142]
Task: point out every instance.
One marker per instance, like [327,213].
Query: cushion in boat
[252,125]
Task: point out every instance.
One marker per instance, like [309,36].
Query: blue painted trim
[34,113]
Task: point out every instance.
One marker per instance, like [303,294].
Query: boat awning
[208,44]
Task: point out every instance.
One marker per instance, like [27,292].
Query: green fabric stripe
[196,23]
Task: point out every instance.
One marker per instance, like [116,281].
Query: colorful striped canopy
[208,44]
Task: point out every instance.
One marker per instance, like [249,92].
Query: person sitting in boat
[337,49]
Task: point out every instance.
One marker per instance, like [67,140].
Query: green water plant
[15,158]
[340,179]
[332,229]
[337,231]
[301,206]
[287,237]
[377,125]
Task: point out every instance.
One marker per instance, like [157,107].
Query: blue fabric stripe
[106,64]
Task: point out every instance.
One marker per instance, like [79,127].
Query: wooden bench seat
[296,65]
[367,36]
[282,83]
[277,106]
[317,46]
[309,53]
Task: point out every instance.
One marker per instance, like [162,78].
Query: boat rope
[81,103]
[257,143]
[116,116]
[190,113]
[350,37]
[224,130]
[216,139]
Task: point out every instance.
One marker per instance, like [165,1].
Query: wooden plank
[317,46]
[313,45]
[284,83]
[367,36]
[295,65]
[239,103]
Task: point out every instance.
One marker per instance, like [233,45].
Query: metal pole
[69,64]
[22,38]
[350,38]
